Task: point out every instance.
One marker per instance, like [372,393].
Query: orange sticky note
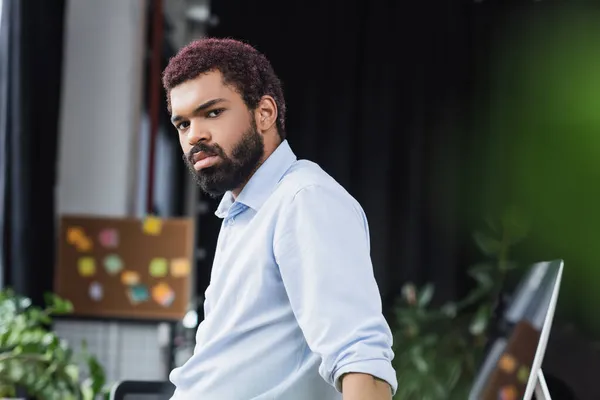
[74,234]
[508,363]
[86,266]
[130,278]
[163,294]
[180,267]
[84,244]
[152,226]
[508,393]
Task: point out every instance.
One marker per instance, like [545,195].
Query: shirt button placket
[228,223]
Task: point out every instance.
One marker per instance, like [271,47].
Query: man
[292,311]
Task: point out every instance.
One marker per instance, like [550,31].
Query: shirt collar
[262,182]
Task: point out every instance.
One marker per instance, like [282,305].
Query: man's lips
[203,160]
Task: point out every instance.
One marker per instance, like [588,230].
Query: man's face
[221,144]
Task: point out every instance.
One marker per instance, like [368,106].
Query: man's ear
[266,113]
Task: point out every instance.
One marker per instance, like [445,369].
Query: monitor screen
[510,367]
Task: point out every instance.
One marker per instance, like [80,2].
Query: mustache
[203,147]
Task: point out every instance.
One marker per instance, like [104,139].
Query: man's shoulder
[308,177]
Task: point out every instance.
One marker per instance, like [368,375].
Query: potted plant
[34,361]
[438,349]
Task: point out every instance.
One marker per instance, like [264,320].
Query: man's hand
[356,386]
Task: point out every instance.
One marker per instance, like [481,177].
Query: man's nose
[197,133]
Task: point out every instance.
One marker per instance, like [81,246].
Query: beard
[230,172]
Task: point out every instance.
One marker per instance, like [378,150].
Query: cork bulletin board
[125,267]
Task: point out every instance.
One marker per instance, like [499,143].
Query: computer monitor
[511,368]
[142,390]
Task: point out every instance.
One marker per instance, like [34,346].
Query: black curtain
[33,50]
[382,95]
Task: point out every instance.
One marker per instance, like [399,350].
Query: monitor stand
[541,389]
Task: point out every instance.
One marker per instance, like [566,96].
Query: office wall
[100,147]
[103,78]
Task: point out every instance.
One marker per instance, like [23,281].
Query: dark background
[380,94]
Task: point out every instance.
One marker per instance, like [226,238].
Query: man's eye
[215,113]
[183,125]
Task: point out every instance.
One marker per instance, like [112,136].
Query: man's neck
[269,149]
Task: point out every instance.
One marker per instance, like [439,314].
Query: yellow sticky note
[158,267]
[523,374]
[130,278]
[152,226]
[86,266]
[180,267]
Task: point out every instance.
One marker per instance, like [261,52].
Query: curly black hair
[243,67]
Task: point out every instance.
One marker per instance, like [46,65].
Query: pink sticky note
[109,238]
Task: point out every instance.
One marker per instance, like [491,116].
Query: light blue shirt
[292,303]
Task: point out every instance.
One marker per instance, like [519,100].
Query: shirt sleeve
[322,250]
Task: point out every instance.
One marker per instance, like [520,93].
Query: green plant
[438,349]
[35,360]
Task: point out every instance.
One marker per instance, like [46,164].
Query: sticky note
[130,278]
[113,264]
[109,238]
[138,294]
[84,244]
[86,266]
[507,363]
[523,374]
[180,267]
[96,291]
[508,393]
[163,294]
[152,226]
[158,267]
[74,234]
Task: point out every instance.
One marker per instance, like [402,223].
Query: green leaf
[483,274]
[430,340]
[493,225]
[409,293]
[454,373]
[426,295]
[481,320]
[72,372]
[416,355]
[486,244]
[86,389]
[57,304]
[50,299]
[96,373]
[35,358]
[16,371]
[24,302]
[449,309]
